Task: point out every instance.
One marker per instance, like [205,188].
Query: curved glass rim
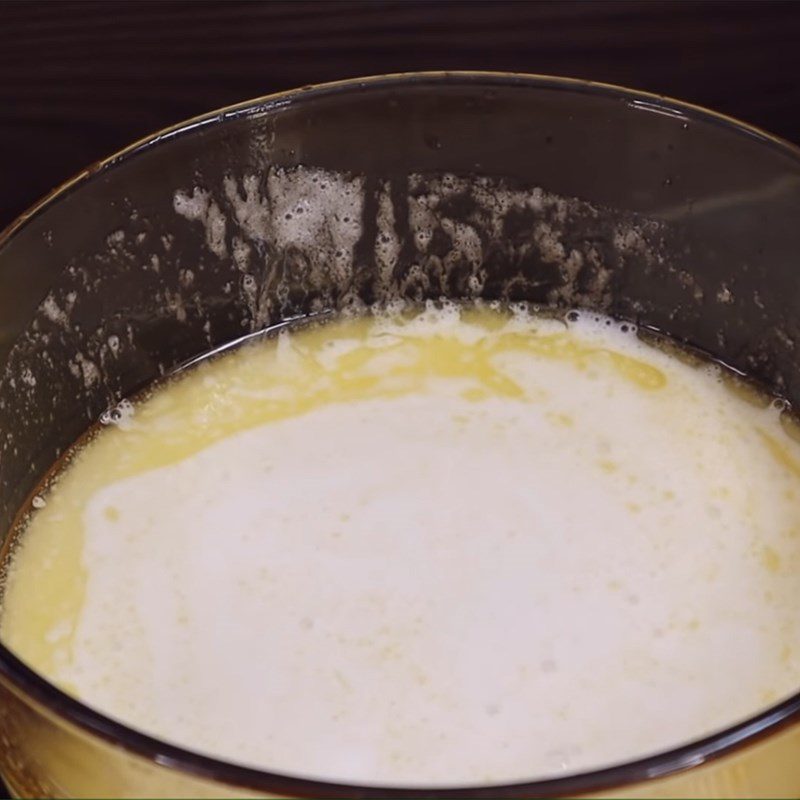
[29,685]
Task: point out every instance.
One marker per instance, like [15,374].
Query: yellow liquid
[661,495]
[254,387]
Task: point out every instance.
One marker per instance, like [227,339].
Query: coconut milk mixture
[450,547]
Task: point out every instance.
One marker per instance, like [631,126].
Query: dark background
[79,80]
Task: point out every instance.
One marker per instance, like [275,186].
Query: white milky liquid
[430,551]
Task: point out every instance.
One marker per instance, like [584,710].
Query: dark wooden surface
[79,80]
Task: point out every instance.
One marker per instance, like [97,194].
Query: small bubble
[119,415]
[38,501]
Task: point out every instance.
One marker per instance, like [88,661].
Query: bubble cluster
[120,415]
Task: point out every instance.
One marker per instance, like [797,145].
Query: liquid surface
[459,547]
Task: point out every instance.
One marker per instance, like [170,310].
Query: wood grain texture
[81,79]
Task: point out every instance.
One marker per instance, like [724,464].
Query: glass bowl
[559,192]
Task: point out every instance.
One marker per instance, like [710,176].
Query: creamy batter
[451,547]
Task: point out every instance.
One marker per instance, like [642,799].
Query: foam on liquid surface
[451,548]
